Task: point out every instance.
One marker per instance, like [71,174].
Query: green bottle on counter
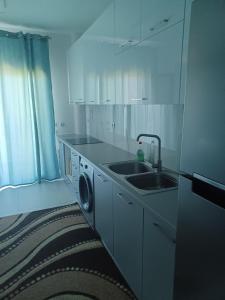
[140,153]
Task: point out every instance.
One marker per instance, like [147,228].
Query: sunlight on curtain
[27,136]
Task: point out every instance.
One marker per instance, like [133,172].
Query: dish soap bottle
[140,153]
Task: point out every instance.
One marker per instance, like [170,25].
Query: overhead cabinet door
[129,77]
[149,73]
[107,56]
[76,73]
[127,23]
[160,14]
[91,71]
[160,59]
[99,59]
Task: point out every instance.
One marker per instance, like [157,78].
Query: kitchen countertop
[101,154]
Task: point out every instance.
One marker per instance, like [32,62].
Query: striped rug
[54,254]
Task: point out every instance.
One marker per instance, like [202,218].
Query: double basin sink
[142,176]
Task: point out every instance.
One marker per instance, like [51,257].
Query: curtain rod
[21,34]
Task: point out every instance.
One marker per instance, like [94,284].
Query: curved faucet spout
[159,163]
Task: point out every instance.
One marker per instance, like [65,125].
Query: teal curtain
[27,126]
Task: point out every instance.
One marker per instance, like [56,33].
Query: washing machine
[86,191]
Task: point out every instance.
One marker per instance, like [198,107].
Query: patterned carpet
[54,254]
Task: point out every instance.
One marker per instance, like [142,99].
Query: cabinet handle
[120,195]
[136,99]
[126,44]
[107,100]
[160,24]
[101,178]
[139,99]
[157,225]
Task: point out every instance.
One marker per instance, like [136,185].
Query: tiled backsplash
[120,124]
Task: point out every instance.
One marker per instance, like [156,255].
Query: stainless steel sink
[152,181]
[131,167]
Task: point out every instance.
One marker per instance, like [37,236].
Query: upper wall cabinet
[149,73]
[127,23]
[76,73]
[91,71]
[131,54]
[160,61]
[107,58]
[129,77]
[99,60]
[160,14]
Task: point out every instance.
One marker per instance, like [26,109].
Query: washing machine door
[85,191]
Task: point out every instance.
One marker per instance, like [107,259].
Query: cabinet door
[91,71]
[75,172]
[76,73]
[106,56]
[160,59]
[149,73]
[129,76]
[103,209]
[127,23]
[98,62]
[158,259]
[160,14]
[61,159]
[128,217]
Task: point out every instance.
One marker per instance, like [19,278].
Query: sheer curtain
[27,133]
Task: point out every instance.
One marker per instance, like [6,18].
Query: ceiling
[67,16]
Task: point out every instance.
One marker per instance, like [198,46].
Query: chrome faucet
[159,163]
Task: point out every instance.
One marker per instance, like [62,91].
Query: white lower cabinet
[141,243]
[103,209]
[75,172]
[128,226]
[158,258]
